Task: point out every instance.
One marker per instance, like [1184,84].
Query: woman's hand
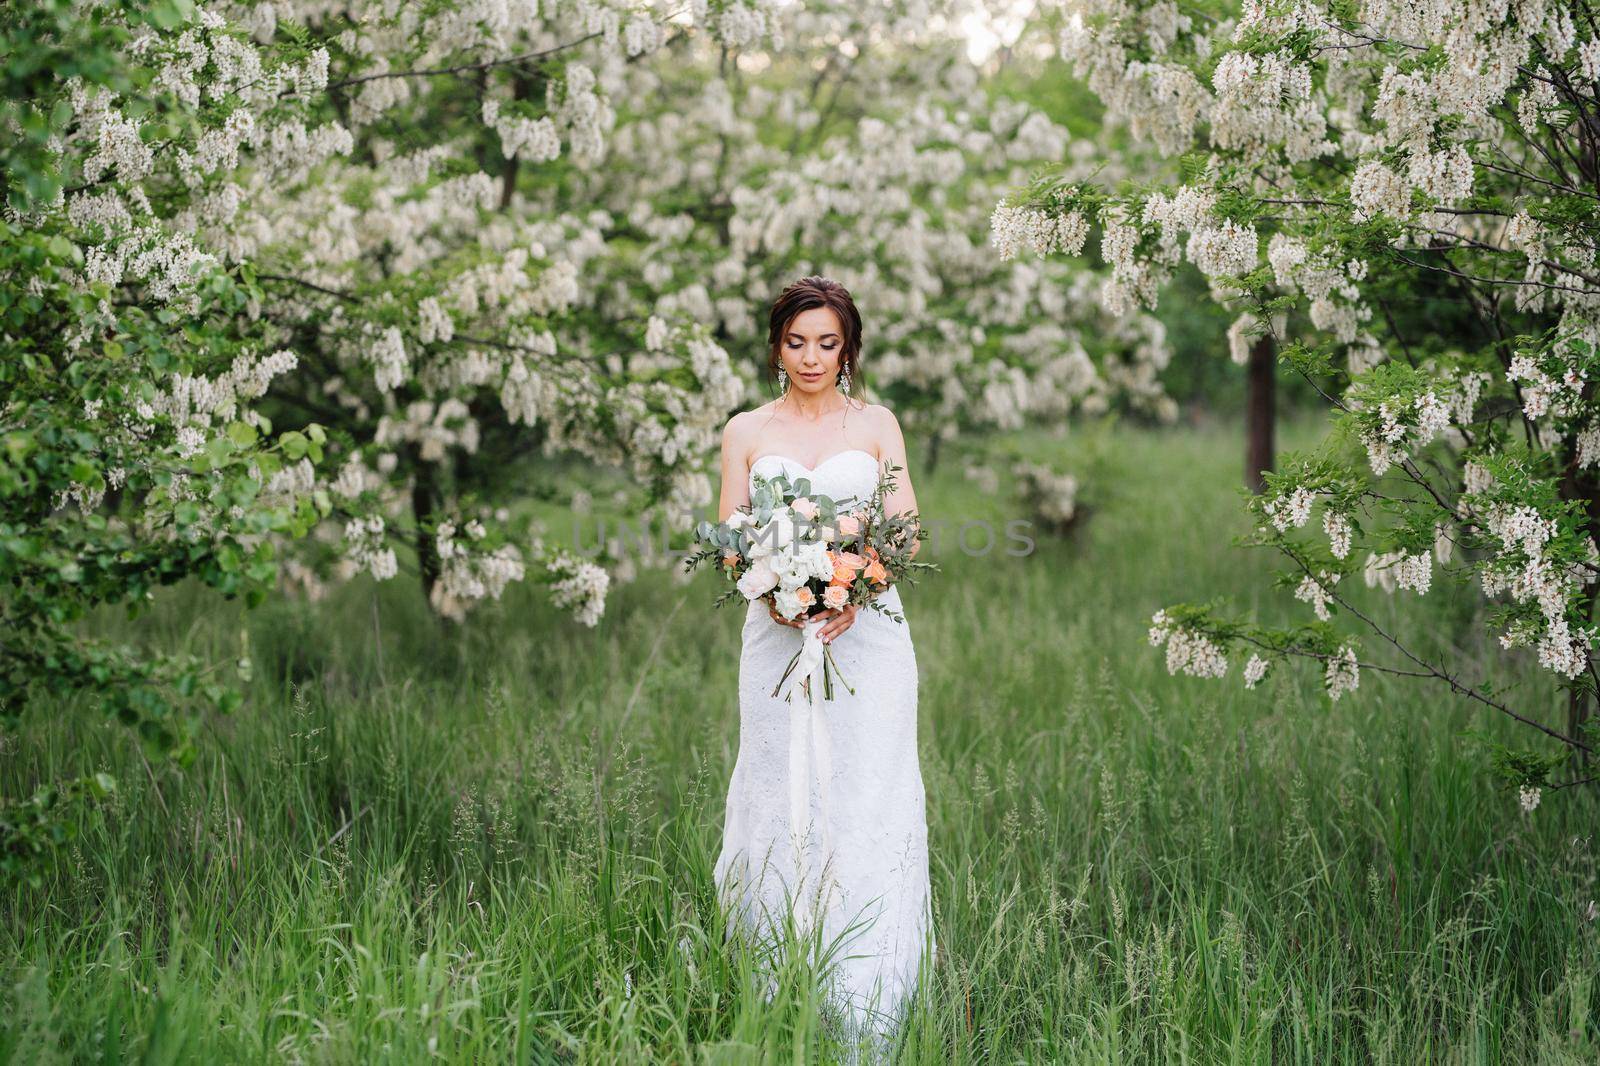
[781,620]
[839,620]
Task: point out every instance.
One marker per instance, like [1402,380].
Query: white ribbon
[809,743]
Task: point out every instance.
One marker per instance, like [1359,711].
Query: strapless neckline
[819,466]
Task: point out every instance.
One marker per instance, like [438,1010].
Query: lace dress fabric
[875,910]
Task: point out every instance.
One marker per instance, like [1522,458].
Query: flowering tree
[131,451]
[870,151]
[436,287]
[420,225]
[425,238]
[203,203]
[1404,197]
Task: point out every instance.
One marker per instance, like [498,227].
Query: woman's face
[812,349]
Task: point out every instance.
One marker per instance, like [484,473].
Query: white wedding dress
[863,795]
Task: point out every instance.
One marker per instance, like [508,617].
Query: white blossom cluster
[468,573]
[1402,428]
[535,140]
[1524,569]
[1134,282]
[432,429]
[355,478]
[1337,527]
[1264,104]
[1241,333]
[365,548]
[168,263]
[1400,570]
[192,404]
[1222,250]
[1317,591]
[1159,102]
[1525,234]
[984,476]
[740,25]
[1292,509]
[578,585]
[1188,650]
[1042,232]
[1443,544]
[1545,395]
[1332,289]
[1052,495]
[1342,673]
[290,482]
[1270,106]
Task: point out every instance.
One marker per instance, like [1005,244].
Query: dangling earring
[844,380]
[783,380]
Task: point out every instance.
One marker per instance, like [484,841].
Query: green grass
[496,843]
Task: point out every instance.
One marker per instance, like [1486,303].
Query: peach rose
[730,559]
[804,507]
[846,565]
[805,596]
[849,525]
[876,573]
[836,596]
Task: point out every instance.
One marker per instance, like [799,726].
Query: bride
[860,858]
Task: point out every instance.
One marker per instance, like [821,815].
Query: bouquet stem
[828,661]
[830,668]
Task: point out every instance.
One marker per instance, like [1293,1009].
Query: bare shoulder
[885,426]
[739,435]
[884,416]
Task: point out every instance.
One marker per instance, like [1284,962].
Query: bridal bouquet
[805,553]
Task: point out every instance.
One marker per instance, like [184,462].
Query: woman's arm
[736,444]
[735,472]
[892,445]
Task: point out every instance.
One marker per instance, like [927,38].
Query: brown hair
[803,295]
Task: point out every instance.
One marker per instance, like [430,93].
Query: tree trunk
[508,183]
[424,498]
[1579,708]
[521,88]
[1581,485]
[1260,415]
[933,453]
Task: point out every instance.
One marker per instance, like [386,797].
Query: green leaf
[219,450]
[169,14]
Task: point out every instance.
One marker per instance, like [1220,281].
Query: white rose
[786,565]
[758,580]
[788,604]
[813,560]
